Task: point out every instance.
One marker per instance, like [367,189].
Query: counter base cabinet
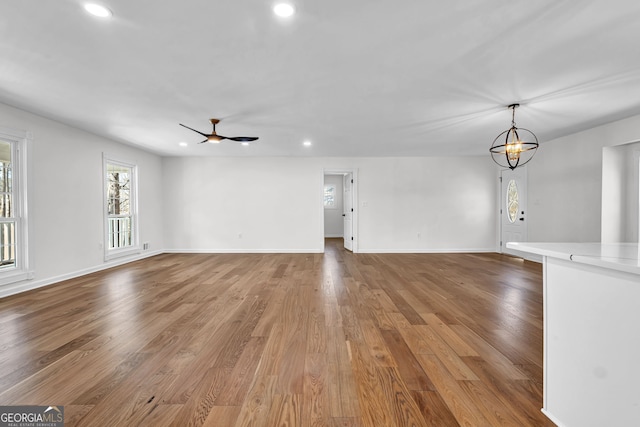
[591,345]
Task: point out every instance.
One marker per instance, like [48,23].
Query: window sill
[120,253]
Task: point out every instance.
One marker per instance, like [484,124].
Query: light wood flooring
[333,339]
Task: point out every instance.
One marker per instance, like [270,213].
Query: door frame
[354,200]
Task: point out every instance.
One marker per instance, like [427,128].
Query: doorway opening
[339,206]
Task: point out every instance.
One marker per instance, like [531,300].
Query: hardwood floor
[334,339]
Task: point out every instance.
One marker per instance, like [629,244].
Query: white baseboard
[318,250]
[333,236]
[243,251]
[426,251]
[28,285]
[552,418]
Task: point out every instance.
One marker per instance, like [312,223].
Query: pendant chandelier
[515,146]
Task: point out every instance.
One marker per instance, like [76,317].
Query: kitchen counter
[591,332]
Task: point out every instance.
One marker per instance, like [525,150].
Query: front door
[347,214]
[513,208]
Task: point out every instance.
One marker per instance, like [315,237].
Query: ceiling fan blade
[202,142]
[197,131]
[243,138]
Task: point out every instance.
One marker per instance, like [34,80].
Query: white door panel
[347,214]
[513,208]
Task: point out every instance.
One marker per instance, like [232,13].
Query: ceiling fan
[214,138]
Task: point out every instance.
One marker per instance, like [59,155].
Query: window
[512,201]
[7,213]
[121,209]
[330,196]
[14,260]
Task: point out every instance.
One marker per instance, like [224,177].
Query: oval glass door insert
[512,201]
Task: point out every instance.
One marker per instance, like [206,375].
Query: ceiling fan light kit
[215,138]
[515,146]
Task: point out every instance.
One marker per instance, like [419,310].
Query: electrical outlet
[239,235]
[145,246]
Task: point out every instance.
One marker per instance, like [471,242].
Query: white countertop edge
[604,263]
[586,253]
[538,249]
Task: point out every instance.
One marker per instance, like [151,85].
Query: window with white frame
[7,212]
[121,219]
[330,196]
[14,251]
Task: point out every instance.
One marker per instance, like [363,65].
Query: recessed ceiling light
[183,144]
[307,143]
[97,10]
[284,10]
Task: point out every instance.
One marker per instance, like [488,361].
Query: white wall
[450,202]
[566,182]
[620,193]
[613,190]
[333,220]
[65,197]
[242,204]
[631,204]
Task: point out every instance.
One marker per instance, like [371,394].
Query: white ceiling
[357,77]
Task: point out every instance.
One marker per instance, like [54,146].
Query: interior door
[513,208]
[347,213]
